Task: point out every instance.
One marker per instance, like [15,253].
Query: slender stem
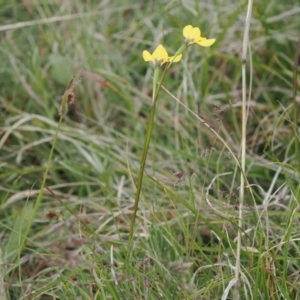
[295,89]
[41,191]
[243,150]
[67,98]
[156,89]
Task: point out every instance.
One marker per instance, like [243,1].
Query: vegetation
[69,178]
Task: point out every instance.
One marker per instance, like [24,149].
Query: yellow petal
[160,53]
[176,59]
[147,56]
[195,33]
[206,43]
[186,30]
[191,33]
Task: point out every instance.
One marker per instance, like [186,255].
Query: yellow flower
[193,36]
[160,56]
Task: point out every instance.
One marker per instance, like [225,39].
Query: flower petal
[176,59]
[186,30]
[147,56]
[160,53]
[191,33]
[206,42]
[195,34]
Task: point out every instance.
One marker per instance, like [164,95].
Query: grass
[71,241]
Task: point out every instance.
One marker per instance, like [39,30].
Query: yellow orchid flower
[160,56]
[193,36]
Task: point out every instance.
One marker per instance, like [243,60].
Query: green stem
[295,108]
[41,191]
[156,89]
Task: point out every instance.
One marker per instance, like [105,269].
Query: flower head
[193,36]
[160,56]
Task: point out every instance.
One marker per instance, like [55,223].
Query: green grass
[72,242]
